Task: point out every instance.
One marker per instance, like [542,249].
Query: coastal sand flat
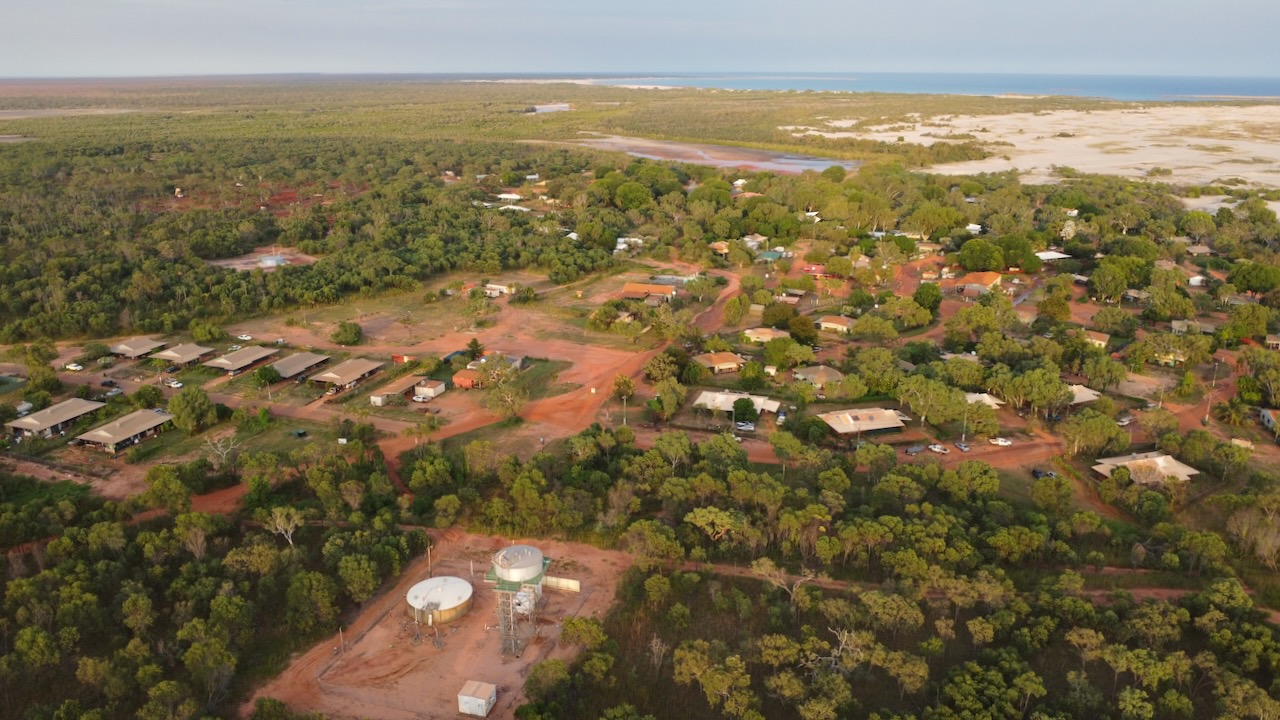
[1197,144]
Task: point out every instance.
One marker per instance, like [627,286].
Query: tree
[504,393]
[192,410]
[929,297]
[283,521]
[623,387]
[146,396]
[310,601]
[266,375]
[653,544]
[930,217]
[744,410]
[1198,224]
[1091,432]
[347,333]
[1103,372]
[474,350]
[1054,307]
[1052,494]
[544,678]
[586,633]
[359,575]
[978,254]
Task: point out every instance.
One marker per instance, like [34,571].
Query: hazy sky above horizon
[75,38]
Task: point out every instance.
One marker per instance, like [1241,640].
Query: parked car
[234,348]
[114,392]
[108,383]
[245,338]
[420,398]
[963,447]
[1002,442]
[940,449]
[1125,421]
[171,369]
[782,417]
[915,449]
[1038,473]
[175,384]
[74,367]
[745,426]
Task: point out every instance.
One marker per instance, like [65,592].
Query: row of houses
[112,437]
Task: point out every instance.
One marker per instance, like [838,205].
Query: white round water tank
[518,563]
[439,599]
[525,602]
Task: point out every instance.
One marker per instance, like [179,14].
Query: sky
[111,38]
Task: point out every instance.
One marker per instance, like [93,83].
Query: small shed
[477,698]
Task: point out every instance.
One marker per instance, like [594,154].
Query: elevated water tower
[518,573]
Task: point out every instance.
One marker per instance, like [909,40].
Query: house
[516,208]
[137,347]
[1150,468]
[1071,212]
[1203,327]
[54,419]
[720,362]
[1097,339]
[792,300]
[818,271]
[1273,342]
[1237,300]
[987,279]
[765,334]
[644,291]
[298,363]
[1137,296]
[723,401]
[494,290]
[983,398]
[1199,250]
[1081,395]
[509,196]
[755,310]
[817,375]
[185,354]
[973,229]
[835,323]
[347,374]
[1026,314]
[621,245]
[720,247]
[1080,279]
[1271,421]
[240,360]
[755,241]
[1197,281]
[126,431]
[467,379]
[1052,256]
[863,420]
[1172,358]
[769,256]
[429,388]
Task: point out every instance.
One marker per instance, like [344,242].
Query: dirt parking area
[385,673]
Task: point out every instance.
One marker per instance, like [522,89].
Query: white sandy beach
[1196,144]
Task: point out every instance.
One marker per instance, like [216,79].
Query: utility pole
[624,409]
[1208,400]
[964,428]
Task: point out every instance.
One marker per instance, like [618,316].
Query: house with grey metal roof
[348,373]
[298,363]
[136,347]
[238,361]
[53,419]
[184,354]
[126,431]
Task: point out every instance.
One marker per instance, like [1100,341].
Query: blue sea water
[1115,87]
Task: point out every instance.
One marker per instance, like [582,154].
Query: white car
[1002,442]
[234,348]
[420,398]
[173,384]
[938,449]
[745,426]
[74,367]
[244,337]
[1124,421]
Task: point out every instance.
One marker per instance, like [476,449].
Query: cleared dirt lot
[383,674]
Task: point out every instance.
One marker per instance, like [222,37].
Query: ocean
[1115,87]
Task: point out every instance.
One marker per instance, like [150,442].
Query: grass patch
[540,379]
[10,384]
